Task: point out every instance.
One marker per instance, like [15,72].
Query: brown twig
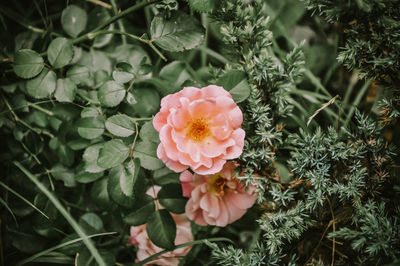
[333,229]
[331,101]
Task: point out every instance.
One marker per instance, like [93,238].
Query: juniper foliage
[343,179]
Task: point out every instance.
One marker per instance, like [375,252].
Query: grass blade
[89,244]
[47,251]
[22,198]
[196,242]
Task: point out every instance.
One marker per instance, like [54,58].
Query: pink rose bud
[217,199]
[200,129]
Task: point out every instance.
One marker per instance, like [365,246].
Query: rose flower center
[198,130]
[217,185]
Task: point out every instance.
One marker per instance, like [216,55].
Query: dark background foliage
[317,81]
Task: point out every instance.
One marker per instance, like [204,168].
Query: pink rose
[218,199]
[200,129]
[146,248]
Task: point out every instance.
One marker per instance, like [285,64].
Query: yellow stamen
[198,129]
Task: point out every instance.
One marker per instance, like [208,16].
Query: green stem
[89,244]
[196,242]
[120,23]
[37,107]
[214,54]
[204,20]
[94,34]
[125,12]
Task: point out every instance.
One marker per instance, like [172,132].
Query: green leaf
[60,172]
[91,223]
[128,181]
[99,194]
[65,155]
[236,83]
[161,229]
[180,32]
[65,111]
[85,177]
[73,20]
[123,72]
[144,207]
[114,187]
[113,153]
[79,75]
[27,63]
[43,85]
[90,112]
[90,157]
[90,127]
[146,151]
[97,16]
[120,125]
[147,101]
[203,5]
[176,74]
[165,176]
[149,133]
[111,93]
[170,196]
[65,91]
[60,52]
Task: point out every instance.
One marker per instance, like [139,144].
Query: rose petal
[212,91]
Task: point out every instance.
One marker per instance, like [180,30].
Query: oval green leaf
[113,153]
[60,52]
[149,133]
[180,32]
[146,152]
[90,156]
[114,188]
[27,63]
[170,197]
[43,85]
[144,207]
[65,91]
[120,125]
[73,20]
[236,83]
[111,93]
[90,127]
[161,229]
[79,74]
